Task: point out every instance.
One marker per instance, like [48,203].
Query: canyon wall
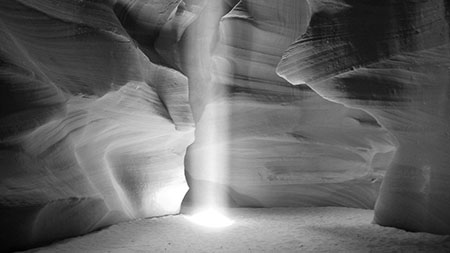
[285,103]
[286,145]
[91,131]
[391,59]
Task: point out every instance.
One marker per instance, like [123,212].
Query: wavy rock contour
[286,145]
[91,132]
[391,59]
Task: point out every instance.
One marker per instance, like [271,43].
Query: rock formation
[91,132]
[294,102]
[391,59]
[286,145]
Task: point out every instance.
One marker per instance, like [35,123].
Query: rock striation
[391,59]
[286,145]
[294,103]
[91,132]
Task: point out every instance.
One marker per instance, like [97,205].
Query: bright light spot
[210,218]
[167,198]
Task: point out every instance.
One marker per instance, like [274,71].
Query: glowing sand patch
[210,218]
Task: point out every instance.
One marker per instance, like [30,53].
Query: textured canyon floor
[327,229]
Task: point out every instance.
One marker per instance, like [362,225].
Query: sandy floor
[258,230]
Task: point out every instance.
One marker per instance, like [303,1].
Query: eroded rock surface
[96,101]
[91,132]
[286,145]
[391,59]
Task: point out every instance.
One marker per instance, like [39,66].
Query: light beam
[213,75]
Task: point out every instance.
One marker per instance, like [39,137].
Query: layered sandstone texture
[91,131]
[294,102]
[392,60]
[285,145]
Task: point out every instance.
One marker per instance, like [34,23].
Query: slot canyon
[119,115]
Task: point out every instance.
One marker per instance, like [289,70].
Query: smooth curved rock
[144,19]
[91,132]
[392,59]
[286,145]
